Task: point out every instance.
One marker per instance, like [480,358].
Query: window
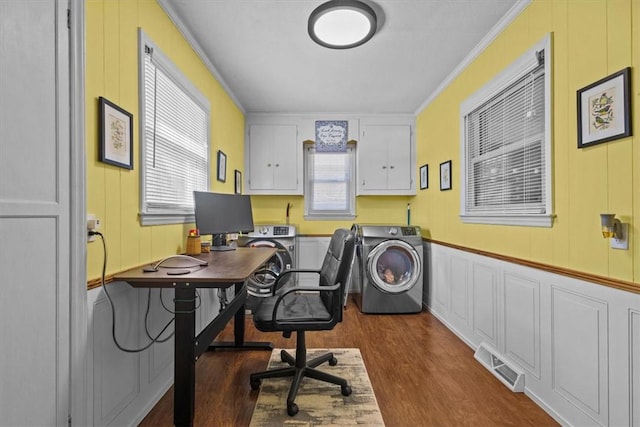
[174,139]
[329,184]
[506,146]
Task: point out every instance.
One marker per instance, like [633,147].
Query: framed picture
[424,177]
[238,182]
[445,175]
[604,110]
[116,135]
[222,166]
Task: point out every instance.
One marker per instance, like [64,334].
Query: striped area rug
[320,403]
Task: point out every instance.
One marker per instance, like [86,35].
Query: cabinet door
[385,159]
[273,159]
[399,171]
[285,164]
[261,144]
[373,158]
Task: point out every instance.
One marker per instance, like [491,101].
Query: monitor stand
[220,243]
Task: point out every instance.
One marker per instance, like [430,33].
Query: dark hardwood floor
[422,375]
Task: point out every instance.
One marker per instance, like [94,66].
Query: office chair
[308,308]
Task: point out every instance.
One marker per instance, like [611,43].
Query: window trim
[502,81]
[351,147]
[166,216]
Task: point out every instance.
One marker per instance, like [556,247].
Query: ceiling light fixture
[342,24]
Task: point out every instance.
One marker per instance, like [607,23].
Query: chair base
[299,368]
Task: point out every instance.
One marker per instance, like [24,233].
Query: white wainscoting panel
[579,351]
[125,386]
[440,280]
[578,342]
[460,290]
[522,321]
[485,302]
[160,354]
[116,373]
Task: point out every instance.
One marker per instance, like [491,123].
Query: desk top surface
[223,269]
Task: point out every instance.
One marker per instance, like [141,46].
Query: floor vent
[506,372]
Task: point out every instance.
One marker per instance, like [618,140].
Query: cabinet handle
[277,164]
[268,165]
[391,167]
[384,167]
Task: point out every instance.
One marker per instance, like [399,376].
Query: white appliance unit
[281,237]
[388,268]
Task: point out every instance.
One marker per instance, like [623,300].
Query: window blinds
[505,150]
[175,150]
[329,182]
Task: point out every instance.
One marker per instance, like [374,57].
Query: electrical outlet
[623,242]
[93,224]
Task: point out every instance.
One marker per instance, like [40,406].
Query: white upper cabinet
[386,158]
[274,159]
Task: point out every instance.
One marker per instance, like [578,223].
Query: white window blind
[329,183]
[506,147]
[506,153]
[174,140]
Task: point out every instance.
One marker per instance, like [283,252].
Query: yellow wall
[369,210]
[113,194]
[591,39]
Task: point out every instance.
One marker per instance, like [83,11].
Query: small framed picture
[238,181]
[424,177]
[604,110]
[445,175]
[222,166]
[116,135]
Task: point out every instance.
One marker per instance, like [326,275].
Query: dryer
[388,268]
[281,237]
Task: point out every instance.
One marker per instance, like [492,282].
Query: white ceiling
[261,52]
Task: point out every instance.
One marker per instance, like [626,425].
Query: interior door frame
[78,242]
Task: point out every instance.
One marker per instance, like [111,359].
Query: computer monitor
[219,214]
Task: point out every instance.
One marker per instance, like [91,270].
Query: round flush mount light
[342,24]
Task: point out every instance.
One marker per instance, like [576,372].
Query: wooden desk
[224,269]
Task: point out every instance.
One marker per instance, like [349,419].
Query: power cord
[155,339]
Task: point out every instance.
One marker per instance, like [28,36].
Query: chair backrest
[336,267]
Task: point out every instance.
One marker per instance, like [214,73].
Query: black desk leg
[238,334]
[184,374]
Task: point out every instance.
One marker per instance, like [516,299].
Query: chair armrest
[331,289]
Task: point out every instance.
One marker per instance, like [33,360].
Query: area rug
[320,403]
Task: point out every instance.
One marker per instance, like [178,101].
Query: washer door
[393,266]
[278,263]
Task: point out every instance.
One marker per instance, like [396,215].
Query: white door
[34,213]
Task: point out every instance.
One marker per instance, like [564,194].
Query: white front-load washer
[388,269]
[280,237]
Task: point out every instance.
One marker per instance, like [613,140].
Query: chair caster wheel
[333,361]
[346,390]
[292,409]
[255,384]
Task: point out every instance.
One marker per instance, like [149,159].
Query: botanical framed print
[445,175]
[116,135]
[604,110]
[238,181]
[424,177]
[222,166]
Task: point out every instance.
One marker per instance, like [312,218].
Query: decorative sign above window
[331,135]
